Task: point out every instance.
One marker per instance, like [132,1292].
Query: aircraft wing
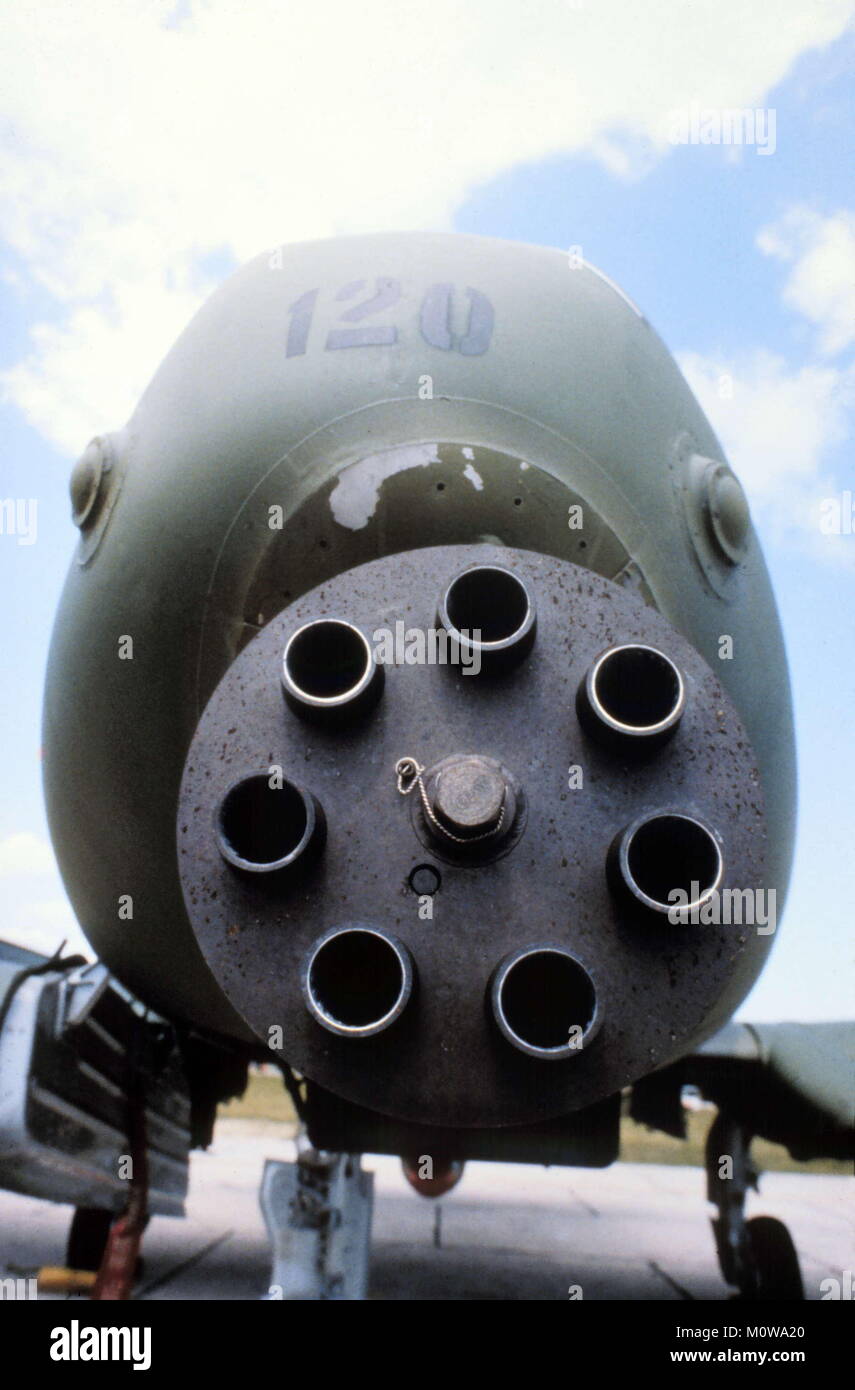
[792,1083]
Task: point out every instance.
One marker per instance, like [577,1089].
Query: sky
[148,149]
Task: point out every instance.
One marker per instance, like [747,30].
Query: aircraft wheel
[773,1260]
[87,1238]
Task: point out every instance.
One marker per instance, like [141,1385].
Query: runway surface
[508,1231]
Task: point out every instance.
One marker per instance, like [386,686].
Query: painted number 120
[357,325]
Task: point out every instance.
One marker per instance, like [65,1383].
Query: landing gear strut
[318,1215]
[757,1256]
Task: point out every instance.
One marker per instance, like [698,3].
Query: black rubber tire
[87,1238]
[774,1260]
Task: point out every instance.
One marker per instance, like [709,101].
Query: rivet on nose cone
[329,672]
[264,829]
[665,861]
[490,617]
[357,981]
[545,1003]
[632,698]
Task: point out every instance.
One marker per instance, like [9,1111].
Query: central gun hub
[470,805]
[470,798]
[610,769]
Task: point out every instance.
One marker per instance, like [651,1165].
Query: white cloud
[34,911]
[87,370]
[821,284]
[780,427]
[135,144]
[43,925]
[25,854]
[779,423]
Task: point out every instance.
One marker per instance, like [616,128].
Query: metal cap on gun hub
[470,808]
[469,796]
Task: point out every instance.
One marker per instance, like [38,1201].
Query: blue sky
[543,123]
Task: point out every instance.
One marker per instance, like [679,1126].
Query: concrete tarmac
[507,1231]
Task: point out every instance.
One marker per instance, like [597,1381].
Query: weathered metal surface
[251,473]
[660,987]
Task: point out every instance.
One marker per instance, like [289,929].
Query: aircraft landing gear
[318,1216]
[757,1256]
[87,1238]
